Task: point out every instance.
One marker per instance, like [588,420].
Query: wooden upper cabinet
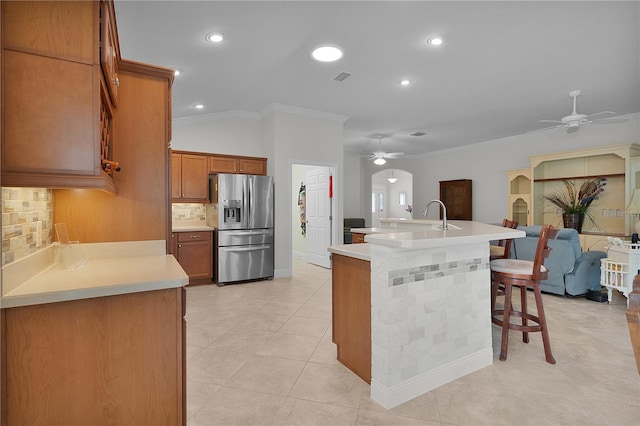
[241,165]
[51,54]
[219,164]
[457,197]
[63,29]
[253,167]
[189,179]
[109,50]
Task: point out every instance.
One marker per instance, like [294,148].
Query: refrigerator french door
[244,237]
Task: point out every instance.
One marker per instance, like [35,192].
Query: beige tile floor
[261,354]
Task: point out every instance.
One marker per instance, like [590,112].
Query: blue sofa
[571,271]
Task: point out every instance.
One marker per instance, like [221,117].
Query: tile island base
[429,310]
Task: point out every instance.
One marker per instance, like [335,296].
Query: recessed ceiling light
[176,72]
[214,37]
[435,41]
[198,106]
[327,53]
[405,82]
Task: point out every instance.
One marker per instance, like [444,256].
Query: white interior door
[318,217]
[378,204]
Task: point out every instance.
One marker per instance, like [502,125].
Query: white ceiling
[503,65]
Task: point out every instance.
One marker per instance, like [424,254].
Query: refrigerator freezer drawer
[240,263]
[245,237]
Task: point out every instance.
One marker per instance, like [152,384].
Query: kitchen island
[430,305]
[103,343]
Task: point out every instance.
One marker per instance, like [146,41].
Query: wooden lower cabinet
[116,360]
[194,252]
[351,294]
[357,238]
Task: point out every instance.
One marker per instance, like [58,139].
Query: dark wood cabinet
[457,197]
[240,165]
[194,252]
[189,178]
[61,140]
[118,360]
[351,313]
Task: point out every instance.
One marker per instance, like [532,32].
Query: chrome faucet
[444,210]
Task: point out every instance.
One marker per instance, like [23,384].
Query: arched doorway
[391,195]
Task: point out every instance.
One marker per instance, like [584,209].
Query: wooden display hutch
[519,197]
[613,162]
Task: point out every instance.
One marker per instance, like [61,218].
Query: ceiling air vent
[417,134]
[342,76]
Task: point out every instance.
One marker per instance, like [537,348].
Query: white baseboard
[393,396]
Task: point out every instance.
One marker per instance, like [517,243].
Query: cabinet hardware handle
[116,81]
[179,245]
[194,236]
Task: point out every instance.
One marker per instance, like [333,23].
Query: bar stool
[502,250]
[522,274]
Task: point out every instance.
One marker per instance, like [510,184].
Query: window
[403,198]
[377,202]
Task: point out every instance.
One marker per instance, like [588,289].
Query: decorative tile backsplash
[188,212]
[27,221]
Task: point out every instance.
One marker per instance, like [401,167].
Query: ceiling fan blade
[393,154]
[549,121]
[600,113]
[546,128]
[609,120]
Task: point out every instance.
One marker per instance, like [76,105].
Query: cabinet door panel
[63,29]
[253,167]
[109,54]
[196,258]
[195,177]
[223,165]
[51,126]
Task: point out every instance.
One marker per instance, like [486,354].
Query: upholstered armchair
[571,271]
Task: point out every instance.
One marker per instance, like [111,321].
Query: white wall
[234,133]
[487,162]
[353,185]
[301,139]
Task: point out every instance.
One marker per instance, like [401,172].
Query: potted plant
[575,203]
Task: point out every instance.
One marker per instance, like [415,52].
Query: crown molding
[195,119]
[271,108]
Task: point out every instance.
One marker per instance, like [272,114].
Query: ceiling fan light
[214,37]
[379,161]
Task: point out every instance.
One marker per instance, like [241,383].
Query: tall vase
[573,220]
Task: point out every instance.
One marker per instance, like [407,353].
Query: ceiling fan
[379,157]
[573,121]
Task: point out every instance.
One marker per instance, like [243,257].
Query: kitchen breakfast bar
[411,306]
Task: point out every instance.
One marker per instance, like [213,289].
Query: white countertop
[111,269]
[371,230]
[358,251]
[191,228]
[462,232]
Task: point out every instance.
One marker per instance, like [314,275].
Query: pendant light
[392,179]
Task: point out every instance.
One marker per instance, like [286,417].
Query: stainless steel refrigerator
[243,218]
